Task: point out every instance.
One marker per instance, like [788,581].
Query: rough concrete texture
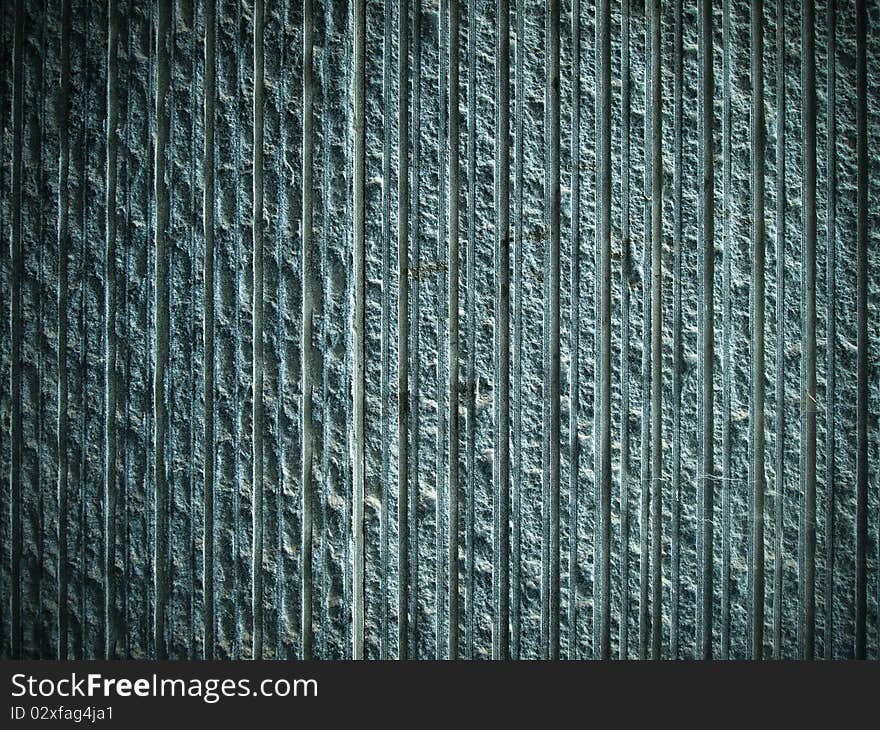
[195,320]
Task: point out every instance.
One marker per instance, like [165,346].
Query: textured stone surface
[180,344]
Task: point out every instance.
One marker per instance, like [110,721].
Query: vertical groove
[209,325]
[43,631]
[604,185]
[516,536]
[309,575]
[675,567]
[308,305]
[808,397]
[162,323]
[359,324]
[544,645]
[574,386]
[501,639]
[625,263]
[471,296]
[238,584]
[415,362]
[757,330]
[404,586]
[781,199]
[257,365]
[727,334]
[384,493]
[80,646]
[656,331]
[17,273]
[441,513]
[861,577]
[385,357]
[552,197]
[595,534]
[236,387]
[645,430]
[195,303]
[831,323]
[63,244]
[707,345]
[109,355]
[453,344]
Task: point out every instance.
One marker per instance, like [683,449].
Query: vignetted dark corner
[427,328]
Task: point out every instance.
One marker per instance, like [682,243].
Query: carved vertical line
[501,639]
[727,333]
[757,330]
[551,335]
[257,336]
[656,330]
[861,577]
[161,504]
[359,325]
[705,609]
[781,200]
[404,584]
[677,350]
[831,323]
[625,264]
[808,396]
[604,186]
[15,307]
[309,300]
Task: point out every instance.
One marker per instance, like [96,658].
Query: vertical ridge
[308,305]
[441,385]
[209,329]
[645,430]
[413,546]
[471,296]
[453,344]
[162,324]
[516,537]
[386,339]
[109,354]
[359,324]
[707,344]
[257,336]
[625,263]
[604,185]
[781,200]
[82,513]
[310,573]
[574,376]
[727,334]
[209,325]
[235,81]
[63,244]
[385,356]
[16,333]
[831,323]
[656,331]
[501,633]
[678,80]
[552,196]
[194,323]
[808,397]
[861,576]
[757,330]
[404,585]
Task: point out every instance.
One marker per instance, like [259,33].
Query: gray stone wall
[439,329]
